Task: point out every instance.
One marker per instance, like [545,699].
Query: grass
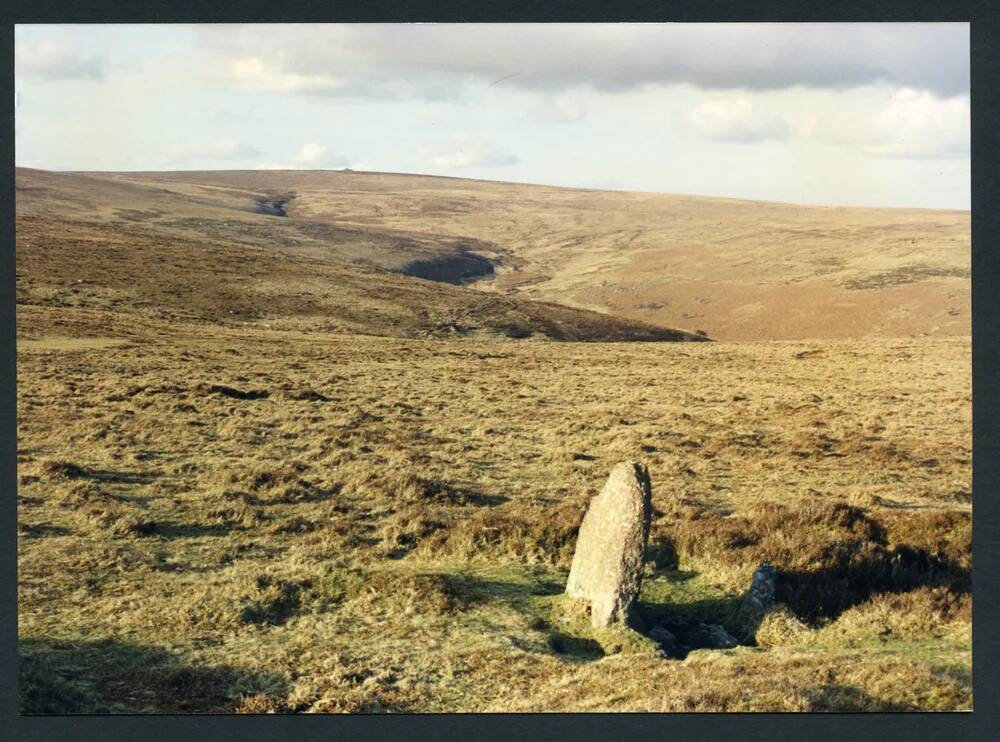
[260,470]
[738,270]
[391,526]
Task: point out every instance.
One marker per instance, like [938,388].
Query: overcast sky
[840,114]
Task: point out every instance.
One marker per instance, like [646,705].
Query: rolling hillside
[734,269]
[192,253]
[739,270]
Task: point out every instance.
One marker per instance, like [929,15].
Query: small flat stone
[712,636]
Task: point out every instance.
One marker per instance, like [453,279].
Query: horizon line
[347,170]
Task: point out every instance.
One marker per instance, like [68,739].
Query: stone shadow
[115,677]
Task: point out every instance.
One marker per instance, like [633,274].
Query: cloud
[283,72]
[256,73]
[437,60]
[465,152]
[312,155]
[49,60]
[319,154]
[222,149]
[558,110]
[912,123]
[737,120]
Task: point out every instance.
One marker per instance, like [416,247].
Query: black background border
[982,723]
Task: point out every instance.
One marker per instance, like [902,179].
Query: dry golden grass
[390,526]
[234,496]
[740,270]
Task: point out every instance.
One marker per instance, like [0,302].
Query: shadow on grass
[40,530]
[293,496]
[70,470]
[677,617]
[476,589]
[481,500]
[527,596]
[171,529]
[849,699]
[575,647]
[823,594]
[122,477]
[113,677]
[683,618]
[829,557]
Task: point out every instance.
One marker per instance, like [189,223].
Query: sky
[838,114]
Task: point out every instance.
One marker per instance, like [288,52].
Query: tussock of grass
[531,536]
[262,484]
[924,613]
[829,556]
[114,519]
[400,485]
[62,470]
[780,627]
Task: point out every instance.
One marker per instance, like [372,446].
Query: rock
[757,601]
[607,564]
[711,636]
[666,640]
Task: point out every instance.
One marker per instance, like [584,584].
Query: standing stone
[757,602]
[607,565]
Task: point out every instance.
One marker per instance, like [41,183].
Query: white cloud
[465,151]
[558,110]
[222,149]
[52,60]
[912,123]
[435,60]
[283,71]
[313,154]
[258,74]
[737,120]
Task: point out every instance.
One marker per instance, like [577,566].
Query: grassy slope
[741,270]
[202,254]
[218,515]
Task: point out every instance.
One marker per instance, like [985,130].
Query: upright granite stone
[607,565]
[757,601]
